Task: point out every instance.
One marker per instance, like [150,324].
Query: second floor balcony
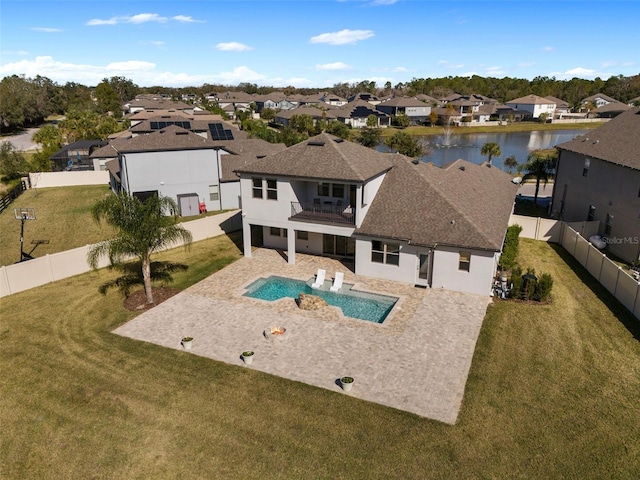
[323,212]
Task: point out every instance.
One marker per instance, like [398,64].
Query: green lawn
[512,127]
[63,216]
[554,392]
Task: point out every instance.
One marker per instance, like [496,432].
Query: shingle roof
[403,102]
[617,141]
[323,157]
[243,153]
[170,138]
[462,205]
[591,98]
[531,100]
[305,110]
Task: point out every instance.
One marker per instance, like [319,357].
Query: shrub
[529,284]
[543,287]
[510,247]
[516,282]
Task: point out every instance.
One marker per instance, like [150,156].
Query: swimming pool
[361,305]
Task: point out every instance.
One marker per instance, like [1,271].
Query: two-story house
[389,216]
[417,111]
[181,164]
[598,178]
[534,105]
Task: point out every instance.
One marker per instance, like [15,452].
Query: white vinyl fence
[573,238]
[39,271]
[68,179]
[612,277]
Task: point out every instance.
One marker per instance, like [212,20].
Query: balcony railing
[323,213]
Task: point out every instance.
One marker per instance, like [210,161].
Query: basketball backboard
[23,213]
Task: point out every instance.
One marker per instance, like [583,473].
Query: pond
[467,146]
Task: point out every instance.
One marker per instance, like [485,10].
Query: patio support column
[246,237]
[291,245]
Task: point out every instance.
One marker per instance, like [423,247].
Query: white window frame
[388,254]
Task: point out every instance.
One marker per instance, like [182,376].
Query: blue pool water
[360,305]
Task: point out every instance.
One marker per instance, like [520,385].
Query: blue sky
[309,43]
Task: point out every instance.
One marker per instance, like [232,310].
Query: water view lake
[468,146]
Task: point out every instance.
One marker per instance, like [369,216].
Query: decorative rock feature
[310,302]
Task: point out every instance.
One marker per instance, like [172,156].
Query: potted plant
[187,342]
[247,357]
[346,383]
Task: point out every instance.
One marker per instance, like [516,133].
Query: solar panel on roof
[154,126]
[218,132]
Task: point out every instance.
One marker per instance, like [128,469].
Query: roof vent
[182,133]
[463,168]
[316,144]
[596,142]
[415,161]
[339,140]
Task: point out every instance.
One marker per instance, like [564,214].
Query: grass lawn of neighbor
[553,392]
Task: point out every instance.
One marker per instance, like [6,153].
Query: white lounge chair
[337,282]
[319,278]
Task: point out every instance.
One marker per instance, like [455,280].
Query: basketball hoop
[24,214]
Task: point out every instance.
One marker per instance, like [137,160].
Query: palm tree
[143,228]
[540,165]
[492,149]
[510,162]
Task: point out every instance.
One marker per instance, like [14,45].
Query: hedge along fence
[510,247]
[50,268]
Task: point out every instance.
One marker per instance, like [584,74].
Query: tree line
[28,101]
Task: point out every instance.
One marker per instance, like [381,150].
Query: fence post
[3,271]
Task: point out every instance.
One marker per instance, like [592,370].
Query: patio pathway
[417,360]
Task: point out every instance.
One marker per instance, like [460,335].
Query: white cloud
[233,47]
[333,66]
[343,37]
[383,2]
[237,75]
[186,19]
[580,71]
[526,64]
[547,49]
[46,29]
[142,18]
[400,69]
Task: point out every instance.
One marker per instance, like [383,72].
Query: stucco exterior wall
[172,173]
[611,189]
[404,272]
[478,279]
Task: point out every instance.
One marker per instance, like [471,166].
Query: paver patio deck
[417,360]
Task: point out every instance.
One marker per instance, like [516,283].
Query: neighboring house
[562,107]
[162,121]
[510,114]
[75,156]
[634,102]
[610,110]
[598,100]
[357,112]
[429,100]
[283,117]
[365,97]
[145,103]
[534,105]
[598,178]
[389,216]
[183,165]
[417,111]
[274,101]
[102,155]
